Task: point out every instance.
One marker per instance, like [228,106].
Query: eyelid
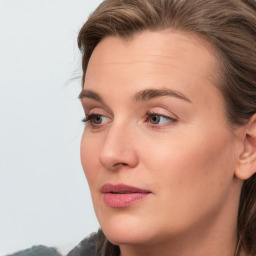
[161,111]
[169,119]
[95,110]
[89,120]
[89,105]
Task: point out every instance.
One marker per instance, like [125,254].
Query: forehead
[154,60]
[185,52]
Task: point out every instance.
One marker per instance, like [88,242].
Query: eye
[157,119]
[96,120]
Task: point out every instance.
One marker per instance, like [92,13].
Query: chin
[127,237]
[125,229]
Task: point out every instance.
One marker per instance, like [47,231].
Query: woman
[169,145]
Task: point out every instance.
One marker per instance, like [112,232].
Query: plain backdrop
[44,198]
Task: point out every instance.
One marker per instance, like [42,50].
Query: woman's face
[157,151]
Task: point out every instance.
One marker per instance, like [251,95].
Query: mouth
[121,195]
[122,189]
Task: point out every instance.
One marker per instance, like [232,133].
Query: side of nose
[118,149]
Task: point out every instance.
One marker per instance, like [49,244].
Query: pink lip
[121,195]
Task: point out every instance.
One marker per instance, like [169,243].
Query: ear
[247,159]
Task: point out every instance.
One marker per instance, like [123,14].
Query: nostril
[120,164]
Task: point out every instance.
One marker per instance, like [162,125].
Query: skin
[186,154]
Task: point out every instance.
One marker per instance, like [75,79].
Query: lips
[121,189]
[121,195]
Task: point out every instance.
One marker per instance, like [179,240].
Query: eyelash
[157,126]
[89,119]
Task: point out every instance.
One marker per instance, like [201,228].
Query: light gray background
[44,198]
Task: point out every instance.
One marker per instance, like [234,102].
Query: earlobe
[247,159]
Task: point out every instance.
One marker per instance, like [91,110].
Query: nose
[118,150]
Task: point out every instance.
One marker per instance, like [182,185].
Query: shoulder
[95,245]
[87,247]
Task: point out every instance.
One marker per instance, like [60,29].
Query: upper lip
[122,189]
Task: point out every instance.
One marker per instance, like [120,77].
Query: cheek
[191,176]
[195,167]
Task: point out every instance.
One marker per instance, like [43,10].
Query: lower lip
[122,200]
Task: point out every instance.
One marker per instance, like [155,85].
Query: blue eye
[157,119]
[95,120]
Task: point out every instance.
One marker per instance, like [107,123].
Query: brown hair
[230,27]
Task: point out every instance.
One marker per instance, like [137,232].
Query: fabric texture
[95,245]
[87,247]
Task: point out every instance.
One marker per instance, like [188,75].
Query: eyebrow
[143,95]
[90,95]
[149,94]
